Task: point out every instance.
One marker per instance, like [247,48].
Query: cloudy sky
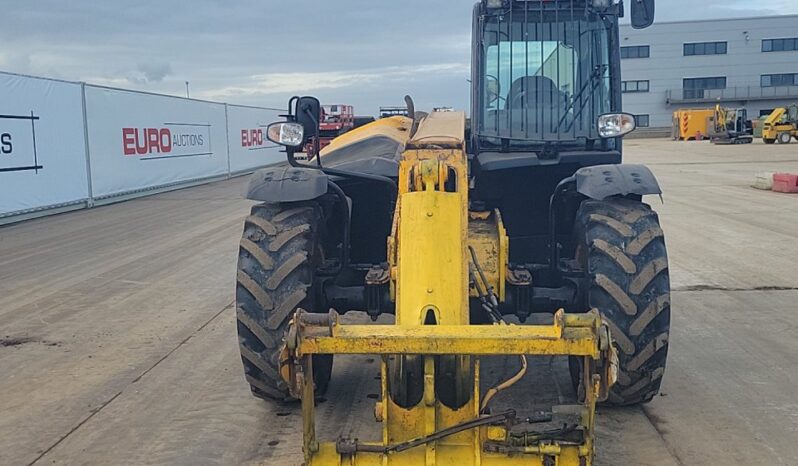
[259,52]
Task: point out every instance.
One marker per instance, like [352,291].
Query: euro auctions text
[176,139]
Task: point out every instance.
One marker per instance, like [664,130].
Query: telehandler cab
[461,236]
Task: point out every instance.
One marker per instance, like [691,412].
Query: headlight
[612,125]
[286,134]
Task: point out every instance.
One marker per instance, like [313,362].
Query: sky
[368,53]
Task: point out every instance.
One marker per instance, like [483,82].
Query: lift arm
[430,393]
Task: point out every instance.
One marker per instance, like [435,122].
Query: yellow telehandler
[781,126]
[451,238]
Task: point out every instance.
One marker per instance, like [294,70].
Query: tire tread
[615,234]
[274,278]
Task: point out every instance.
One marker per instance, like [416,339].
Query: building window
[634,86]
[636,51]
[705,48]
[642,121]
[764,113]
[694,87]
[779,45]
[776,80]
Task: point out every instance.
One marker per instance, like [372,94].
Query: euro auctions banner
[42,150]
[139,141]
[249,147]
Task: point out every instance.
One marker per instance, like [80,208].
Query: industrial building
[743,62]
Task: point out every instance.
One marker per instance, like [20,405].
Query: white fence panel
[42,150]
[140,141]
[249,147]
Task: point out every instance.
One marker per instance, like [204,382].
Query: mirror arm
[316,142]
[291,105]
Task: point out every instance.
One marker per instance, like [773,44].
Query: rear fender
[286,184]
[602,181]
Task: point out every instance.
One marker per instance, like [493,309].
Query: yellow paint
[455,339]
[396,128]
[430,274]
[775,117]
[486,234]
[776,123]
[429,262]
[692,123]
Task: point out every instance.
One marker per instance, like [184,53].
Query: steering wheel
[516,100]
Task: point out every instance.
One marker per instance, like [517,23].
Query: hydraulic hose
[491,307]
[493,391]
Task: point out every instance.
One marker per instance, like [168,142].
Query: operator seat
[534,91]
[541,100]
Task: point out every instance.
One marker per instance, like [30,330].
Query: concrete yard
[118,342]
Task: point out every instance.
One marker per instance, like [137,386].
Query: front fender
[602,181]
[286,184]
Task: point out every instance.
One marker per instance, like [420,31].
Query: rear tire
[769,141]
[784,138]
[278,255]
[620,243]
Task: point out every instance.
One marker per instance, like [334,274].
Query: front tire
[278,255]
[784,138]
[620,243]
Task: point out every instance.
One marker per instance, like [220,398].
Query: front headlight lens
[286,134]
[613,125]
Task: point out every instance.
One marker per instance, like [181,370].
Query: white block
[764,181]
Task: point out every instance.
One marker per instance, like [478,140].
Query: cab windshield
[545,77]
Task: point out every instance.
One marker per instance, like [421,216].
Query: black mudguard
[286,184]
[602,181]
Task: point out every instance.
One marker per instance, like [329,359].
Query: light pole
[187,94]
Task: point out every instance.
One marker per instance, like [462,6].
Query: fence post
[227,138]
[90,200]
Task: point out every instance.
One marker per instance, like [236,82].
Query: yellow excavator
[730,126]
[523,237]
[781,126]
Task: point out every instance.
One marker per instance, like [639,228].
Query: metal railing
[744,93]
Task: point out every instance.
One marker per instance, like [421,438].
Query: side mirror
[286,134]
[642,13]
[307,112]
